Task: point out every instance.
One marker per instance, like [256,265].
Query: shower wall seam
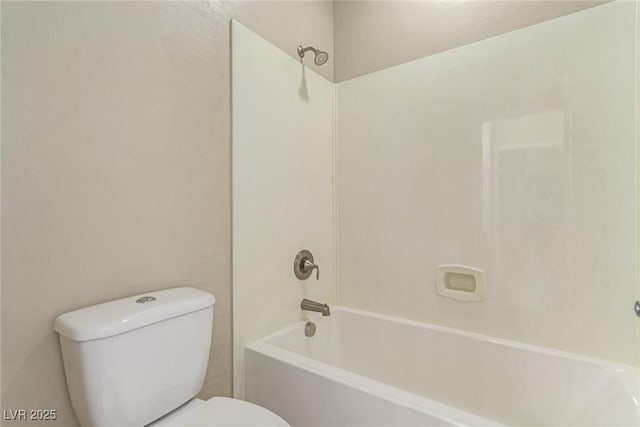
[637,189]
[334,190]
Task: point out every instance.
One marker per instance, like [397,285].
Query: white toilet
[132,361]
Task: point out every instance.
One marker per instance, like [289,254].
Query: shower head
[321,56]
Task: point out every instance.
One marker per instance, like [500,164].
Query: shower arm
[303,50]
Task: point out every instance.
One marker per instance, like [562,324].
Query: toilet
[141,361]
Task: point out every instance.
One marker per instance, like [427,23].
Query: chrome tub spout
[309,305]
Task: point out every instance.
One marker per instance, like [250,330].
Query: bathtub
[366,369]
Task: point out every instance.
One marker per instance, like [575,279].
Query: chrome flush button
[636,307]
[145,299]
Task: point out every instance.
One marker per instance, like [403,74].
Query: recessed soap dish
[460,282]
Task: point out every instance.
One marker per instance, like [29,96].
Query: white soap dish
[460,282]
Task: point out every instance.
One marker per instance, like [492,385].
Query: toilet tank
[130,361]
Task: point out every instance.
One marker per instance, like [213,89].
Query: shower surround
[516,155]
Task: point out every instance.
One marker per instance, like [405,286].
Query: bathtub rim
[459,332]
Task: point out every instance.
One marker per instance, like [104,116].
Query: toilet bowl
[220,412]
[141,361]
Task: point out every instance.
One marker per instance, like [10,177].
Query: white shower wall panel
[282,188]
[515,155]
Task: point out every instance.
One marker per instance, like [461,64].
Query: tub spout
[309,305]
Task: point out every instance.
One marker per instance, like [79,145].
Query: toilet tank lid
[123,315]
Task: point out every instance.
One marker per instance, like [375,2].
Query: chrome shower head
[321,57]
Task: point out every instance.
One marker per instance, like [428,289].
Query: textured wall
[515,155]
[373,35]
[116,166]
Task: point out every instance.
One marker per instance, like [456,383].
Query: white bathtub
[365,369]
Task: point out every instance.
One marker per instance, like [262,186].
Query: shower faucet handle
[309,266]
[304,265]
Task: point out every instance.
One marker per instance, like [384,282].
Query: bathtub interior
[500,380]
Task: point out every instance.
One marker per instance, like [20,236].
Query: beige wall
[116,166]
[373,35]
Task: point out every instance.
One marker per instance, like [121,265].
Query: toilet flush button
[145,299]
